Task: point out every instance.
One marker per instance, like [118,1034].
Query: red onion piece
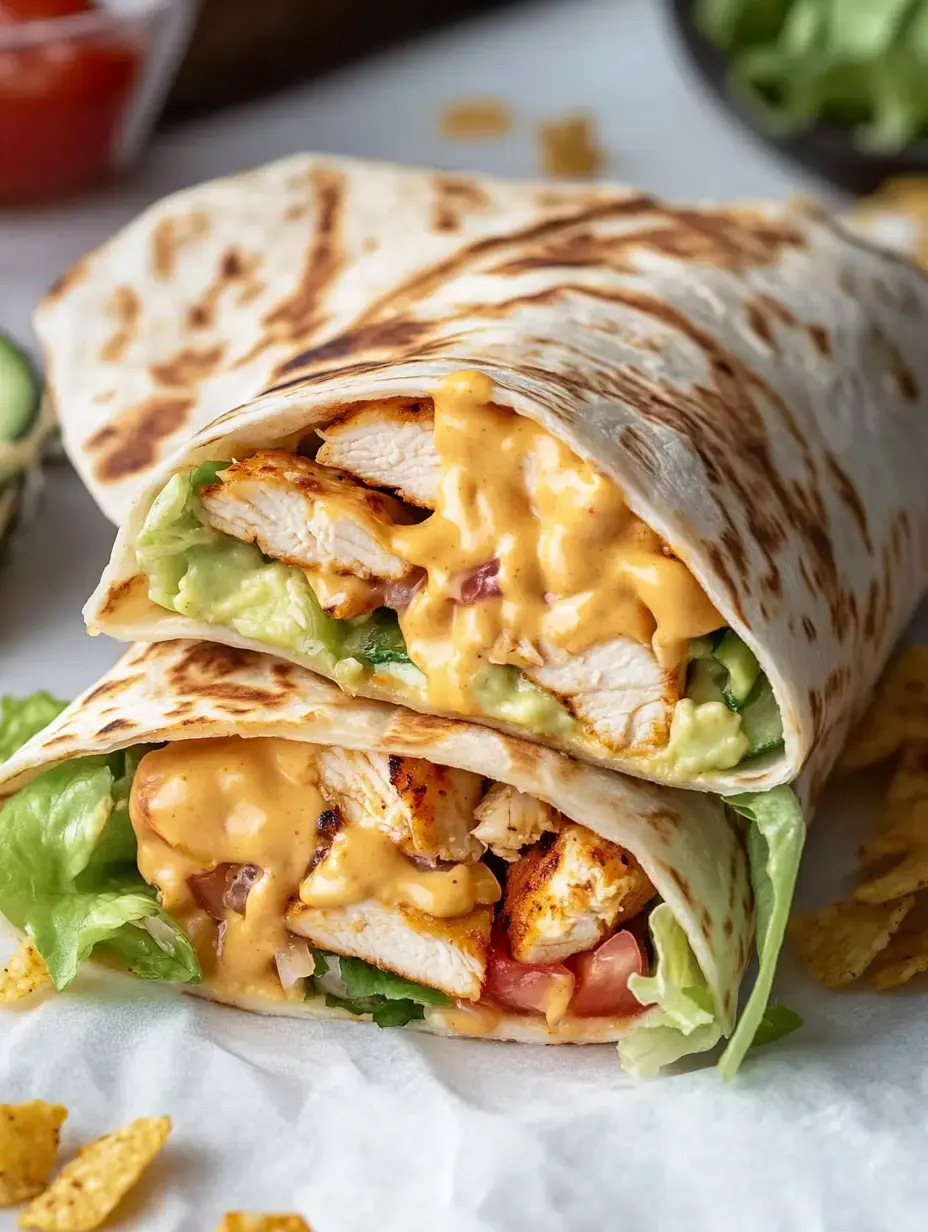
[239,887]
[481,583]
[209,889]
[399,595]
[294,963]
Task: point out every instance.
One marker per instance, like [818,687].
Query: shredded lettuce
[356,986]
[778,1021]
[68,875]
[21,718]
[684,1020]
[775,841]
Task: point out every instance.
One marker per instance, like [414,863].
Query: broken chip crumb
[91,1186]
[242,1221]
[23,975]
[898,714]
[28,1148]
[568,148]
[475,119]
[838,943]
[904,957]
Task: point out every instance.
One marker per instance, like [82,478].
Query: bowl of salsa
[81,83]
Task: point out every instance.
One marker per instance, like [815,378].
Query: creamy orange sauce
[197,805]
[364,863]
[576,566]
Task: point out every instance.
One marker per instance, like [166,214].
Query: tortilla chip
[475,119]
[897,716]
[240,1221]
[28,1147]
[902,836]
[838,943]
[91,1186]
[23,975]
[904,957]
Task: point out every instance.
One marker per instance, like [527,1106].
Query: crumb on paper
[23,975]
[29,1136]
[89,1188]
[243,1221]
[838,943]
[569,149]
[475,119]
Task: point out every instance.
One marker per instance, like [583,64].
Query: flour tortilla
[687,843]
[754,377]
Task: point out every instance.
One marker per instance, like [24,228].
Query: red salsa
[63,99]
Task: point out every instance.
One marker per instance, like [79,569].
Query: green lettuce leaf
[775,840]
[390,1000]
[22,717]
[778,1021]
[68,876]
[685,1020]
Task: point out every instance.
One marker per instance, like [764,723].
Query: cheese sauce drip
[199,805]
[576,567]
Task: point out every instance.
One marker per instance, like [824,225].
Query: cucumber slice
[20,391]
[761,721]
[704,681]
[742,667]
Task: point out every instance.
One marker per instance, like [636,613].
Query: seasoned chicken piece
[617,690]
[510,820]
[565,896]
[388,444]
[427,809]
[446,954]
[307,515]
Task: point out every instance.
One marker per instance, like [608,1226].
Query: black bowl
[826,149]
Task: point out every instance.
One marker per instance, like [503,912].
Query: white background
[360,1129]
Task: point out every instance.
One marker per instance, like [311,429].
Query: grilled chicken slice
[447,954]
[427,810]
[617,690]
[565,896]
[388,444]
[510,820]
[307,515]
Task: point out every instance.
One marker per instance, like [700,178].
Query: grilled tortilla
[289,828]
[737,395]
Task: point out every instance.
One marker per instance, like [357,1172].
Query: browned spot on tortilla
[849,497]
[107,689]
[132,442]
[170,237]
[639,448]
[455,196]
[387,336]
[838,681]
[123,307]
[302,313]
[411,730]
[188,367]
[115,725]
[209,659]
[758,322]
[778,310]
[869,628]
[296,211]
[728,927]
[235,270]
[681,882]
[132,590]
[104,397]
[817,707]
[903,376]
[809,629]
[820,340]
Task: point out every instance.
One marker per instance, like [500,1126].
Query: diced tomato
[539,989]
[602,978]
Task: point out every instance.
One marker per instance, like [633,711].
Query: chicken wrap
[638,481]
[238,825]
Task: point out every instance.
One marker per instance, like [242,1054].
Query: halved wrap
[239,825]
[639,481]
